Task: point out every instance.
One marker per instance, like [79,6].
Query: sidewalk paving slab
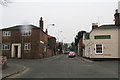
[12,69]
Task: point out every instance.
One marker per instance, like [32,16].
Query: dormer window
[6,33]
[26,33]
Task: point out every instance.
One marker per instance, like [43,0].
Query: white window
[26,33]
[99,49]
[27,46]
[6,47]
[6,33]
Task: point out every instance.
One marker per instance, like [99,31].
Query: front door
[16,51]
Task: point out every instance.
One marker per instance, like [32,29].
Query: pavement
[12,69]
[84,59]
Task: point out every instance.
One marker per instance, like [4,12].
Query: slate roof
[112,26]
[50,36]
[17,27]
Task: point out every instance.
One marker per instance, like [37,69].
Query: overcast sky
[69,16]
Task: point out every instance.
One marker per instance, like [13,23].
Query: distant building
[86,42]
[80,47]
[79,43]
[25,41]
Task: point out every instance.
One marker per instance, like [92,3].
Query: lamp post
[49,26]
[59,34]
[59,44]
[46,48]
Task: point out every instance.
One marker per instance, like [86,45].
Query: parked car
[71,54]
[3,61]
[66,52]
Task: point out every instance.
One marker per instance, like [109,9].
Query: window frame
[87,36]
[6,33]
[96,48]
[26,32]
[4,45]
[27,46]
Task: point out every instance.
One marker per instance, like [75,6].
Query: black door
[16,51]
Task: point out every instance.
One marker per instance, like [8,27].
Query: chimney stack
[46,31]
[117,17]
[41,23]
[94,25]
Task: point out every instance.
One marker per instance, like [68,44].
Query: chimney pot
[46,31]
[117,17]
[94,25]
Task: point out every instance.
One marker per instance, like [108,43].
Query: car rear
[71,54]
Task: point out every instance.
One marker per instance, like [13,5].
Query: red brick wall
[117,18]
[16,37]
[0,41]
[49,52]
[43,46]
[52,45]
[80,52]
[38,50]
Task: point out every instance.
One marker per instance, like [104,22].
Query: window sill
[98,53]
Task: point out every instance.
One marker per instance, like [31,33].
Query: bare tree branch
[5,2]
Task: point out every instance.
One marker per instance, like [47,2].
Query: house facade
[0,41]
[25,41]
[119,43]
[86,42]
[51,45]
[104,42]
[80,47]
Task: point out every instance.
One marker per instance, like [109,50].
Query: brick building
[25,41]
[80,49]
[79,43]
[0,41]
[51,45]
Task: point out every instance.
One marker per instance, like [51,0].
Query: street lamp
[63,39]
[59,34]
[49,26]
[59,44]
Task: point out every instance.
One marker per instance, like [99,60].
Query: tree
[5,2]
[77,38]
[72,48]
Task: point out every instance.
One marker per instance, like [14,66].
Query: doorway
[16,51]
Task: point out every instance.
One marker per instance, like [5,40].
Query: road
[63,67]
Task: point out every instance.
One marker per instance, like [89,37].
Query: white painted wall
[119,6]
[110,46]
[119,43]
[86,51]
